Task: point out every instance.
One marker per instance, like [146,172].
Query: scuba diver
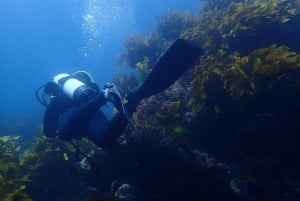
[74,109]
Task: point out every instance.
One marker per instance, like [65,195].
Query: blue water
[42,38]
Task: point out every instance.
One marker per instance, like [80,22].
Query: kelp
[249,75]
[170,26]
[41,168]
[143,69]
[13,179]
[126,82]
[242,25]
[153,45]
[137,48]
[257,72]
[243,33]
[57,166]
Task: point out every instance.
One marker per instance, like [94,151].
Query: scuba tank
[73,88]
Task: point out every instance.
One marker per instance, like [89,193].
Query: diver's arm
[52,113]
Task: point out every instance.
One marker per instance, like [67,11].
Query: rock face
[240,103]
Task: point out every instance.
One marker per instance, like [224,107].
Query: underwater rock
[167,125]
[237,186]
[84,193]
[126,192]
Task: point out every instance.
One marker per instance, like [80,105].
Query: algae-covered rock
[244,96]
[54,166]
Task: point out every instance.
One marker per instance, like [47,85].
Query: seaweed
[126,82]
[136,49]
[143,69]
[256,73]
[55,166]
[245,25]
[13,179]
[139,48]
[170,26]
[143,53]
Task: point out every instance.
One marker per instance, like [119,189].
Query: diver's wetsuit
[68,121]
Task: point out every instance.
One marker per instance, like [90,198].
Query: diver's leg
[113,130]
[97,127]
[74,121]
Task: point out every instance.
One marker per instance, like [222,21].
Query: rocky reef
[240,101]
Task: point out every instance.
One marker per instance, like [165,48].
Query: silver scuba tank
[76,90]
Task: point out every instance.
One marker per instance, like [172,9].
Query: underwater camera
[78,87]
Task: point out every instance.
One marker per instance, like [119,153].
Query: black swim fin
[175,61]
